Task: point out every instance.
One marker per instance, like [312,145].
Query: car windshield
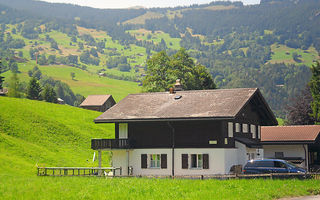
[290,164]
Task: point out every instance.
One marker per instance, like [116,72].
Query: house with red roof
[298,144]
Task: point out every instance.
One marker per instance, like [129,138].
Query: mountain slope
[38,133]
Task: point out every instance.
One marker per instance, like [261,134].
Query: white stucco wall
[288,151]
[220,160]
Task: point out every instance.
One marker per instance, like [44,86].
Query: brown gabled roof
[289,133]
[95,100]
[192,104]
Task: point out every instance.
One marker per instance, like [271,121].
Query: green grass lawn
[33,187]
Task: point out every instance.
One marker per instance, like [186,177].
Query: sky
[144,3]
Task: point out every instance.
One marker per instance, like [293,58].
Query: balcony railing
[97,144]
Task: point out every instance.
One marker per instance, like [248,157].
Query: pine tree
[14,86]
[34,89]
[49,95]
[315,91]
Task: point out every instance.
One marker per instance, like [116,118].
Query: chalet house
[298,144]
[99,103]
[200,132]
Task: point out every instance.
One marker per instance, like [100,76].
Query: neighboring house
[3,92]
[200,132]
[99,103]
[298,144]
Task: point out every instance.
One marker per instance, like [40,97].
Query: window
[253,130]
[245,128]
[237,127]
[213,142]
[154,160]
[123,131]
[278,154]
[259,132]
[196,161]
[230,129]
[279,164]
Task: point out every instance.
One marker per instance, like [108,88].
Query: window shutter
[205,161]
[184,161]
[143,161]
[164,161]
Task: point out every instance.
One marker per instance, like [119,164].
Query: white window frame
[199,161]
[253,130]
[238,127]
[154,161]
[123,131]
[230,129]
[245,128]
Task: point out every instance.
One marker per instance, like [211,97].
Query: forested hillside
[270,45]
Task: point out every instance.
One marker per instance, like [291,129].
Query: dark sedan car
[267,166]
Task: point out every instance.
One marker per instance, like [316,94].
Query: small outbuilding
[3,92]
[99,103]
[298,144]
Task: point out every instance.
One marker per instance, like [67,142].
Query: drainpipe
[306,158]
[173,132]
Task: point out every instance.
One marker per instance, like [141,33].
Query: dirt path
[316,197]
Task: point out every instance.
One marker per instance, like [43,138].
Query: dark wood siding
[144,161]
[188,134]
[150,135]
[205,161]
[184,158]
[164,161]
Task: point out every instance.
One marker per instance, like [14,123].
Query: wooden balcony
[97,144]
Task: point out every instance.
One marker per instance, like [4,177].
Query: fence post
[99,156]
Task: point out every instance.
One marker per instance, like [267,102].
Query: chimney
[171,90]
[178,86]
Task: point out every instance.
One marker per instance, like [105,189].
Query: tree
[48,94]
[34,89]
[1,77]
[315,91]
[14,86]
[73,75]
[299,110]
[158,75]
[163,71]
[54,44]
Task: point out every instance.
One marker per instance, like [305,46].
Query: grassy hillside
[38,133]
[85,82]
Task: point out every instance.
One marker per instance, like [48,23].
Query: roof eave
[160,119]
[288,142]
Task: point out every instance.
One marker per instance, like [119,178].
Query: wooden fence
[111,171]
[78,171]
